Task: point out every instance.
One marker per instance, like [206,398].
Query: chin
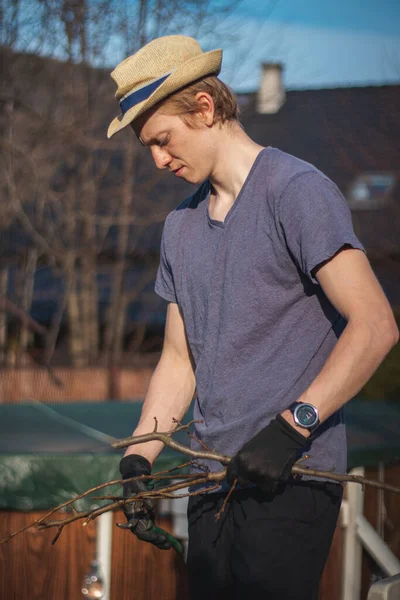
[194,179]
[188,180]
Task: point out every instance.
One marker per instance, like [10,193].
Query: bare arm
[349,283]
[171,387]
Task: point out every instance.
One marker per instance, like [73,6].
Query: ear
[206,108]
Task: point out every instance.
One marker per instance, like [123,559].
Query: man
[274,317]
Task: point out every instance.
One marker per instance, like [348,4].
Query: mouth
[177,172]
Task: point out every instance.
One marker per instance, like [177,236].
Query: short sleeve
[164,285]
[316,220]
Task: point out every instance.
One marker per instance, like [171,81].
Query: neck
[235,156]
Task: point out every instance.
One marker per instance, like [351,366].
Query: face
[185,151]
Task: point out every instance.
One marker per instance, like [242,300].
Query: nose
[161,157]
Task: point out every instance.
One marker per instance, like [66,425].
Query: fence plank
[330,587]
[142,571]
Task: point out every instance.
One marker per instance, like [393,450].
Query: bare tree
[76,199]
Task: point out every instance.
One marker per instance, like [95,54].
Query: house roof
[345,132]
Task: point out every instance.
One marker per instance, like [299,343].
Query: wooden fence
[382,509]
[73,385]
[30,568]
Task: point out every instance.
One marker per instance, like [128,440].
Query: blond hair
[184,103]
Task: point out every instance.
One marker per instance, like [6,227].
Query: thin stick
[53,541]
[226,500]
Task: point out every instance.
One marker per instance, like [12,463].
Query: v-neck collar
[228,216]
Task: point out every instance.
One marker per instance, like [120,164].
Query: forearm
[357,354]
[169,395]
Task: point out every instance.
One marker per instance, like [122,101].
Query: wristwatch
[305,415]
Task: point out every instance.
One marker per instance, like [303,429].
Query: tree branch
[165,437]
[205,481]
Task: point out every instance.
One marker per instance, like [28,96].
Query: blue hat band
[142,94]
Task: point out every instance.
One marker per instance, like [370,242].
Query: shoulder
[286,168]
[295,182]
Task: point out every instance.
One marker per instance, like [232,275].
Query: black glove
[140,514]
[268,457]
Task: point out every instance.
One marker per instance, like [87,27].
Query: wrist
[287,415]
[136,450]
[134,465]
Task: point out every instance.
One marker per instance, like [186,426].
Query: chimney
[271,95]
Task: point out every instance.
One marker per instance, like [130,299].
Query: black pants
[269,547]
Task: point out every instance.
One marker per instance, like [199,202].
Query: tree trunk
[76,337]
[51,338]
[27,288]
[89,301]
[117,309]
[3,315]
[119,330]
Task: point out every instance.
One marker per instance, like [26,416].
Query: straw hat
[157,70]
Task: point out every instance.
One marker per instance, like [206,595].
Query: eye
[163,142]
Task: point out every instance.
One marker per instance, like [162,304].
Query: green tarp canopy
[52,452]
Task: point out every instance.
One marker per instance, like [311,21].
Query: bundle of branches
[180,481]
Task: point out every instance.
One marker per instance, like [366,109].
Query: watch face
[306,415]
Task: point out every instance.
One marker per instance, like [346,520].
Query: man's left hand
[268,457]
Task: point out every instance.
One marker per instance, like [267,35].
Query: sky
[322,43]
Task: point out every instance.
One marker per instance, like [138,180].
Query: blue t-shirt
[258,324]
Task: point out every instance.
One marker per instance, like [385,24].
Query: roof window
[370,191]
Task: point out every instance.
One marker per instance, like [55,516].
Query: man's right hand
[140,514]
